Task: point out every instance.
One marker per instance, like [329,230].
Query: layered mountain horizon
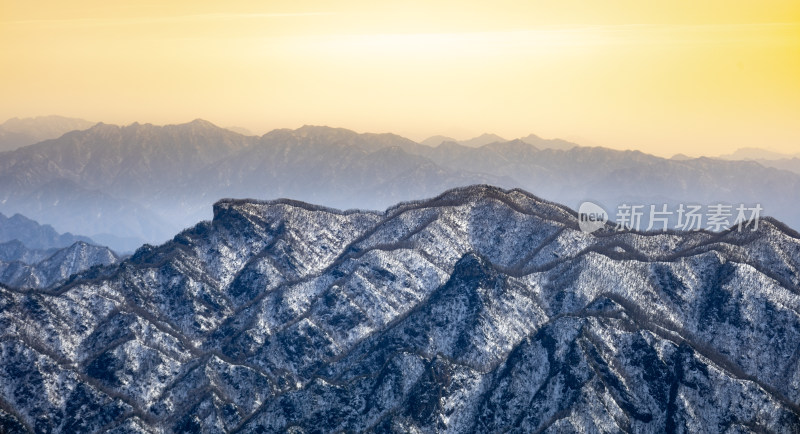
[18,132]
[36,256]
[479,310]
[127,185]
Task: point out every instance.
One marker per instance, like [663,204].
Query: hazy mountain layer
[29,271]
[34,235]
[790,164]
[16,133]
[126,185]
[481,310]
[757,154]
[15,250]
[540,143]
[113,180]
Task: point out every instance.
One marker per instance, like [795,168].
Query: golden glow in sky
[663,77]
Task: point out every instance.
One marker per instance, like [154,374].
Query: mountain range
[480,310]
[757,154]
[790,162]
[33,235]
[16,133]
[486,139]
[25,268]
[124,186]
[36,256]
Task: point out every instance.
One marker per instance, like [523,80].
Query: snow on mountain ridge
[479,310]
[55,267]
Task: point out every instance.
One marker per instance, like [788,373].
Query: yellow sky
[663,77]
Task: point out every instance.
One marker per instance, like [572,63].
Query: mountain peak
[482,140]
[102,127]
[202,123]
[555,144]
[752,153]
[475,311]
[322,130]
[531,136]
[437,140]
[33,234]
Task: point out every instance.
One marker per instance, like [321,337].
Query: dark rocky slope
[481,310]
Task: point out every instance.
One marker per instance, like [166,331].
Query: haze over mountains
[485,139]
[790,162]
[16,132]
[21,267]
[123,186]
[481,310]
[36,256]
[757,154]
[34,235]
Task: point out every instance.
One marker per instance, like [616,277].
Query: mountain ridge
[44,270]
[16,133]
[34,235]
[145,182]
[479,309]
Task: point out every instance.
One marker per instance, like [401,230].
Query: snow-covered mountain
[16,250]
[481,310]
[24,268]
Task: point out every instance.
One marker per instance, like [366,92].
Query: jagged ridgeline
[481,310]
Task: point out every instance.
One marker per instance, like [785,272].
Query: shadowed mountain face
[481,310]
[127,185]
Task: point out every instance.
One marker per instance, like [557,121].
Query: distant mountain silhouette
[241,130]
[483,139]
[16,133]
[16,250]
[334,166]
[434,141]
[680,157]
[540,143]
[790,164]
[142,183]
[757,154]
[33,235]
[614,177]
[111,179]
